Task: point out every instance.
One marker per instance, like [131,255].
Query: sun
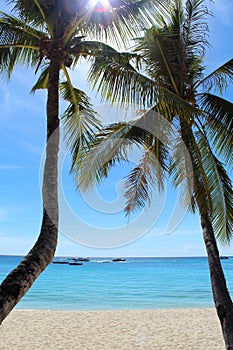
[101,2]
[100,5]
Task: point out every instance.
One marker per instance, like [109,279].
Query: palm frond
[112,145]
[170,105]
[140,182]
[26,10]
[172,48]
[219,79]
[117,21]
[42,82]
[195,29]
[220,191]
[160,50]
[219,124]
[193,171]
[117,80]
[14,30]
[95,48]
[182,171]
[109,147]
[79,119]
[39,13]
[18,43]
[146,176]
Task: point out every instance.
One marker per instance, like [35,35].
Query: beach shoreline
[178,329]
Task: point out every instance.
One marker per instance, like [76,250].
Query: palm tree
[173,83]
[50,34]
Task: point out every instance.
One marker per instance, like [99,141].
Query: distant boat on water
[81,259]
[118,260]
[71,261]
[222,257]
[75,263]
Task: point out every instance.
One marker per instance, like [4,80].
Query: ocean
[137,283]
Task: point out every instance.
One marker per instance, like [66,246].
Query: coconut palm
[172,82]
[49,36]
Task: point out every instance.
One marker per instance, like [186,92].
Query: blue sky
[94,219]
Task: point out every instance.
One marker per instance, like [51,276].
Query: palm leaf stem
[44,17]
[167,66]
[200,126]
[113,150]
[75,102]
[19,46]
[72,28]
[21,27]
[190,142]
[226,69]
[202,171]
[70,85]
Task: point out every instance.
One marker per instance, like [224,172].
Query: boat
[75,263]
[222,257]
[81,259]
[60,262]
[118,260]
[84,259]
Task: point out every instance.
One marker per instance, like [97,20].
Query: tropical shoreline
[184,329]
[136,284]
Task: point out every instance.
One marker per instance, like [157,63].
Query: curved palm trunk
[17,283]
[221,296]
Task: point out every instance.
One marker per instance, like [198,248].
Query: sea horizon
[113,256]
[138,283]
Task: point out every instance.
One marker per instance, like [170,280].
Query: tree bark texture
[221,295]
[18,282]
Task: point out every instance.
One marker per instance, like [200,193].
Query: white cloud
[10,167]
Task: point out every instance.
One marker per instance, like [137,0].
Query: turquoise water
[138,283]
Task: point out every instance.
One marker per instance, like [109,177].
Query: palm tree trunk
[17,283]
[221,296]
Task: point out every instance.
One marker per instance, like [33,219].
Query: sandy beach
[184,329]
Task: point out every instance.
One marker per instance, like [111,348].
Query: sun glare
[100,5]
[101,2]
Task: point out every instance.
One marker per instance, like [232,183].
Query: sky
[91,224]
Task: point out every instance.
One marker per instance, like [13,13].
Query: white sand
[184,329]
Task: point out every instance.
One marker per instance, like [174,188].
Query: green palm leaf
[182,169]
[219,123]
[220,190]
[195,28]
[144,178]
[109,146]
[117,80]
[219,79]
[42,82]
[117,22]
[18,43]
[79,120]
[112,146]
